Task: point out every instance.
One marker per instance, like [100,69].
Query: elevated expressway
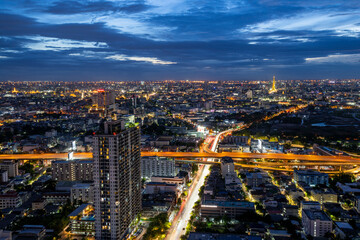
[267,161]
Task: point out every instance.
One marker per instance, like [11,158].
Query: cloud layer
[179,39]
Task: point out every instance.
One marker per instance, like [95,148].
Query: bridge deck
[88,155]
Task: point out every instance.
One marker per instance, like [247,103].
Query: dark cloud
[206,40]
[11,24]
[72,7]
[134,8]
[75,7]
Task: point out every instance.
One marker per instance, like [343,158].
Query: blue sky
[179,39]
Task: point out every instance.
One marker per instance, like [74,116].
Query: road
[279,156]
[210,154]
[181,220]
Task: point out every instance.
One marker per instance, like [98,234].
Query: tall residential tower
[117,179]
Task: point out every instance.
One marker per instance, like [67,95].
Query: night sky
[177,39]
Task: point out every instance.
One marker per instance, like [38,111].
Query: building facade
[73,170]
[254,179]
[82,192]
[117,179]
[82,221]
[11,167]
[227,166]
[312,178]
[157,166]
[103,99]
[231,209]
[324,195]
[316,223]
[10,199]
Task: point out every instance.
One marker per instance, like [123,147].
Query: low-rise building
[316,223]
[56,197]
[221,236]
[225,208]
[72,170]
[160,187]
[12,167]
[171,180]
[310,205]
[352,188]
[326,195]
[157,166]
[227,166]
[10,199]
[38,204]
[290,210]
[82,192]
[82,221]
[344,230]
[4,176]
[31,232]
[357,204]
[312,178]
[295,194]
[254,179]
[5,235]
[161,202]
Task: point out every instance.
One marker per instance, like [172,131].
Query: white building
[4,177]
[160,187]
[305,205]
[171,180]
[157,166]
[82,192]
[11,167]
[249,94]
[227,166]
[10,199]
[316,223]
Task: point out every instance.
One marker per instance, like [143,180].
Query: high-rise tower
[117,179]
[273,88]
[103,99]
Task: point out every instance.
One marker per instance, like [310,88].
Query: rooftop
[316,215]
[228,203]
[309,172]
[219,236]
[227,160]
[160,183]
[77,211]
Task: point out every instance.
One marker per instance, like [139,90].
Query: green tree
[28,168]
[157,227]
[194,168]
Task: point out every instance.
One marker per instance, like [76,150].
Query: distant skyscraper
[117,179]
[208,105]
[134,101]
[103,99]
[249,94]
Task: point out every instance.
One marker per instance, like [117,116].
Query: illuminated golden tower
[15,91]
[273,89]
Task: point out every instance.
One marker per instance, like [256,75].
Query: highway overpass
[191,155]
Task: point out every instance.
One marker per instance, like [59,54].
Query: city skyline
[158,40]
[188,160]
